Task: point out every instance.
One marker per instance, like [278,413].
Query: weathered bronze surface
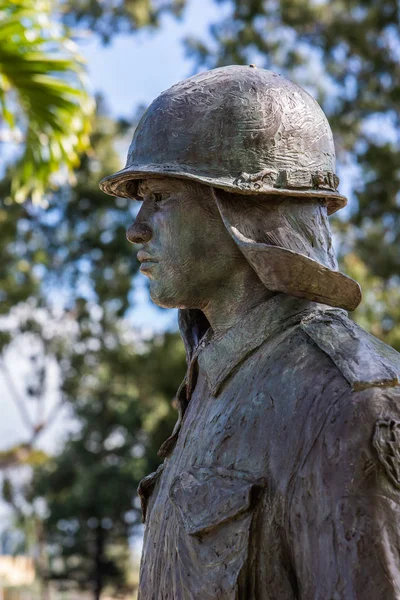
[281,479]
[241,129]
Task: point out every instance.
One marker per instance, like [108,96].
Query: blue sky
[136,68]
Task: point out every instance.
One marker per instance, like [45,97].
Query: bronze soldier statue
[281,479]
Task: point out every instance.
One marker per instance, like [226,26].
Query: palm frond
[43,92]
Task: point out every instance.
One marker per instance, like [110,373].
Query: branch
[53,413]
[40,427]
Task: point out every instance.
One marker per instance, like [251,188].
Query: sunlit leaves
[43,96]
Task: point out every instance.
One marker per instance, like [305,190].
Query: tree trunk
[98,569]
[42,561]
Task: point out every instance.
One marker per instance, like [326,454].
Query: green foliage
[379,310]
[17,280]
[109,19]
[43,93]
[22,454]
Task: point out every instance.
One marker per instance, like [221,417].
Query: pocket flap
[207,497]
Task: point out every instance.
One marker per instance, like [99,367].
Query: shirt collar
[219,356]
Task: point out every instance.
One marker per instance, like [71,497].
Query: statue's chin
[163,297]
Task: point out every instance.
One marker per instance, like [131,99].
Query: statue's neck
[234,298]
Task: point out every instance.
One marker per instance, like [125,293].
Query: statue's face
[186,253]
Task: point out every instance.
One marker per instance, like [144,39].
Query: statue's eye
[160,197]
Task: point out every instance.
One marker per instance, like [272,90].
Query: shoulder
[363,360]
[360,435]
[357,448]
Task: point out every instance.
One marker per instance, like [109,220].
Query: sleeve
[344,511]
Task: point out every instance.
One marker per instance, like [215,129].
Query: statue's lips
[147,261]
[145,257]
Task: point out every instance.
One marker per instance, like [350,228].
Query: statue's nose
[139,233]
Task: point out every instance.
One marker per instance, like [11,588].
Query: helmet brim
[117,184]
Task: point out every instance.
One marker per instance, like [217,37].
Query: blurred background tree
[67,273]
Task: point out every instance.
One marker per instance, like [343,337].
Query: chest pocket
[214,508]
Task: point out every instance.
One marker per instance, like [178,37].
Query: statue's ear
[193,324]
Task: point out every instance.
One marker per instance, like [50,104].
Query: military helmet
[237,128]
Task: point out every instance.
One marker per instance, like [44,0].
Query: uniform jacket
[281,480]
